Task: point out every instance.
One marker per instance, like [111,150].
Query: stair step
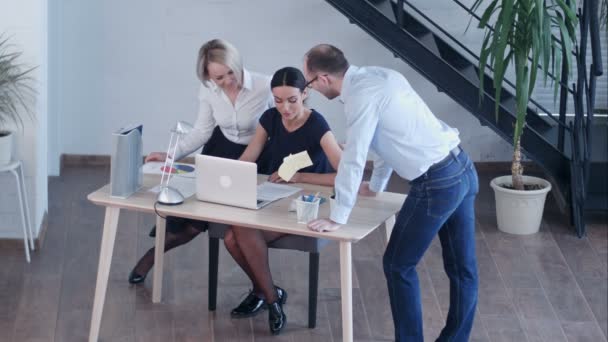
[429,41]
[384,7]
[452,56]
[410,24]
[509,102]
[470,73]
[468,70]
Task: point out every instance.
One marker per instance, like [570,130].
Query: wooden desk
[367,215]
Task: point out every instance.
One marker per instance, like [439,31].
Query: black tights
[172,240]
[249,248]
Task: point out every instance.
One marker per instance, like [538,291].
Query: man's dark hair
[326,58]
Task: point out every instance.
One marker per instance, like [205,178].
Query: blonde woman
[231,100]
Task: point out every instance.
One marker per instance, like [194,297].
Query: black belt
[453,154]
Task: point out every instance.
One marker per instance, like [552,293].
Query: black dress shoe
[152,232]
[282,295]
[250,306]
[135,278]
[276,317]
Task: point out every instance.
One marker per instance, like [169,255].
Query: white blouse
[237,122]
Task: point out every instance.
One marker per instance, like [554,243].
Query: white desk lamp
[167,194]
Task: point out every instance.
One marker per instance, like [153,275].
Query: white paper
[180,169]
[293,163]
[185,185]
[271,191]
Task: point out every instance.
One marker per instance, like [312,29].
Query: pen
[312,198]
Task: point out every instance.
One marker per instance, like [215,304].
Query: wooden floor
[550,286]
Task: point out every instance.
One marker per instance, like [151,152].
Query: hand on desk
[156,156]
[323,225]
[275,178]
[364,190]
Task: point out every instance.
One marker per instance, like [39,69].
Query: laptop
[235,183]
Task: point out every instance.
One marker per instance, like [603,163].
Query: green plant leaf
[498,87]
[16,90]
[531,35]
[566,45]
[487,14]
[569,11]
[537,50]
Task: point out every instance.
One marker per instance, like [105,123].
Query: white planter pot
[519,212]
[6,147]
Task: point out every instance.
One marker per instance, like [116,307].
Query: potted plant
[15,96]
[522,37]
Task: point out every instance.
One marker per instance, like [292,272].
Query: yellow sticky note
[293,163]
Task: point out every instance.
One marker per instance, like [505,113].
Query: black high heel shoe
[250,306]
[135,278]
[282,295]
[253,304]
[276,317]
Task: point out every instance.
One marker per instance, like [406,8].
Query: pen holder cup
[307,211]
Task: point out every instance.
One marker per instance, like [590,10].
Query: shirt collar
[247,82]
[348,75]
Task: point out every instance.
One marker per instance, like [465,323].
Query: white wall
[117,62]
[25,22]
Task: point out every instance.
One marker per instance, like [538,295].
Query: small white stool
[13,167]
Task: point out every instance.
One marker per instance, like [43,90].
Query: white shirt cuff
[340,214]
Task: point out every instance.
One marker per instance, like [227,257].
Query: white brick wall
[25,22]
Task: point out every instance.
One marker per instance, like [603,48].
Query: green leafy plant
[16,91]
[522,37]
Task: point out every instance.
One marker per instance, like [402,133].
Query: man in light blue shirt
[384,113]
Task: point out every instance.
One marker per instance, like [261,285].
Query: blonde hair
[222,52]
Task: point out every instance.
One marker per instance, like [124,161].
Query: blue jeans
[441,201]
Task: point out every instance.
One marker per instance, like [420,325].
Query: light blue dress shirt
[384,113]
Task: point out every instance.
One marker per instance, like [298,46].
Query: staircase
[572,152]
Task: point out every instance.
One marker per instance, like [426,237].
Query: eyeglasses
[309,83]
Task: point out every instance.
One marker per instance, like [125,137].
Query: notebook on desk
[234,182]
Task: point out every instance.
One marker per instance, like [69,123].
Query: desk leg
[388,226]
[159,255]
[103,270]
[346,278]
